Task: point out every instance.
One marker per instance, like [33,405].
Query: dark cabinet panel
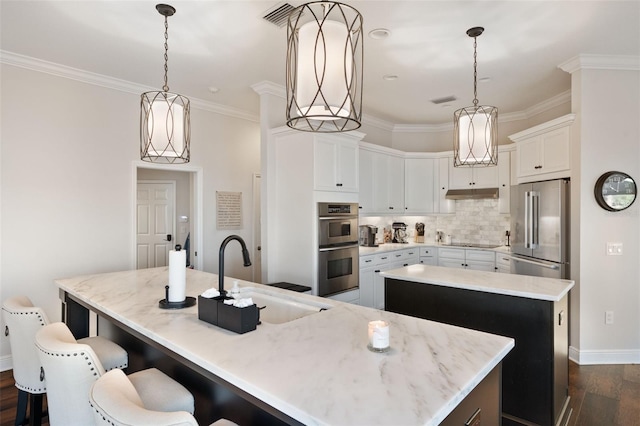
[535,373]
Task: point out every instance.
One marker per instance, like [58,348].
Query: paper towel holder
[165,304]
[187,302]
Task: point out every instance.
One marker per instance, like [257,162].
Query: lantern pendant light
[165,128]
[324,67]
[475,129]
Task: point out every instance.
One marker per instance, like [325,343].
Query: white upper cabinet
[366,181]
[395,176]
[473,177]
[444,205]
[388,184]
[335,164]
[504,182]
[544,151]
[419,185]
[381,182]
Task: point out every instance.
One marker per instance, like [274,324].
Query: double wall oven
[338,253]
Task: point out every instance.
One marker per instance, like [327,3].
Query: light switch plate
[614,249]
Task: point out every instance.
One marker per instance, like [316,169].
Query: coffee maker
[367,235]
[399,232]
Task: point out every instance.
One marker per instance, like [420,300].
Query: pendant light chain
[475,71]
[166,54]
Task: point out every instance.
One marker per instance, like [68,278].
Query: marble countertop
[509,284]
[389,247]
[316,369]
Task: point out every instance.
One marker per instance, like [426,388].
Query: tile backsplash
[475,221]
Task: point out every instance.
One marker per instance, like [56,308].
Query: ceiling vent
[279,14]
[444,100]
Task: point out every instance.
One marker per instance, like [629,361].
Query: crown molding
[378,123]
[557,100]
[39,65]
[601,62]
[268,87]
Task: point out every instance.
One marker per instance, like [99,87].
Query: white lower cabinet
[503,263]
[372,283]
[428,256]
[479,260]
[352,297]
[367,278]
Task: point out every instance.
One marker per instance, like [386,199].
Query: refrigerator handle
[528,219]
[535,219]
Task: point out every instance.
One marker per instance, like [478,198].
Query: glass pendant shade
[475,134]
[324,68]
[165,127]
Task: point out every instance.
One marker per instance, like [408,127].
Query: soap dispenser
[235,290]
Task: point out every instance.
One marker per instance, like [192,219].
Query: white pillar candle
[378,335]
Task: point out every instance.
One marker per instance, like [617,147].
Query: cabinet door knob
[338,184]
[390,208]
[377,270]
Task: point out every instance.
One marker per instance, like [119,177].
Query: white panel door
[155,211]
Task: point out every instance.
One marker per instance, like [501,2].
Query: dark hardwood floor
[601,395]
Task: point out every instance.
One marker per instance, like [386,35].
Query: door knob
[168,237]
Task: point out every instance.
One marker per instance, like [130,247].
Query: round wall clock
[615,191]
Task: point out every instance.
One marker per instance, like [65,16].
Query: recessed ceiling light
[213,89]
[379,33]
[390,77]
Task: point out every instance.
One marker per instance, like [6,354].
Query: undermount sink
[276,308]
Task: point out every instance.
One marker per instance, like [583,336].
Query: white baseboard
[609,356]
[6,363]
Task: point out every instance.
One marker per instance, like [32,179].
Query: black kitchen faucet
[245,256]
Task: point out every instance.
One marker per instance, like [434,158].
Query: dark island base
[535,374]
[214,398]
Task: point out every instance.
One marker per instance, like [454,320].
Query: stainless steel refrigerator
[540,228]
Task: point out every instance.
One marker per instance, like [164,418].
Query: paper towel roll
[177,275]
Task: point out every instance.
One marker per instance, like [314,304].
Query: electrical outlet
[614,249]
[608,317]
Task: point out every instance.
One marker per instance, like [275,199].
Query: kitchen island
[312,370]
[532,310]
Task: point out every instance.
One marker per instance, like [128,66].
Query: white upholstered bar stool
[71,368]
[116,402]
[23,321]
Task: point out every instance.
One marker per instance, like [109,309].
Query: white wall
[67,177]
[608,106]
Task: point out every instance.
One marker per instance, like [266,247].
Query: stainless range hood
[471,194]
